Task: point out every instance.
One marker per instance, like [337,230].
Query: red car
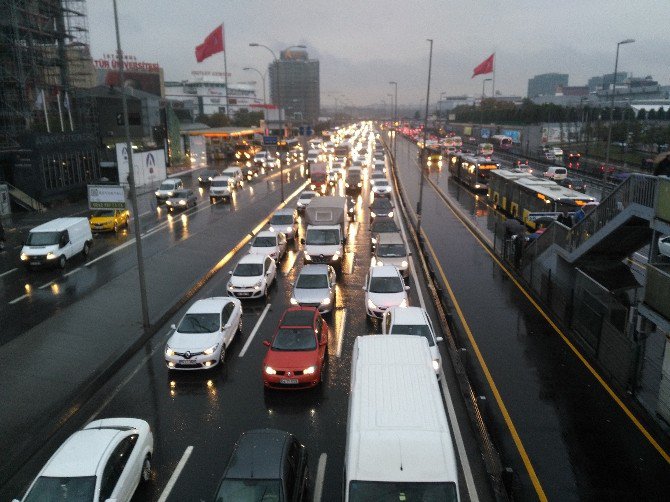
[296,355]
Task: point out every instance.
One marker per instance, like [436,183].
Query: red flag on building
[485,67]
[212,44]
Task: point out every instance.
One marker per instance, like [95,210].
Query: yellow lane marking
[572,347]
[508,420]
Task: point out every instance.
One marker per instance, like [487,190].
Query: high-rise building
[298,92]
[599,82]
[545,84]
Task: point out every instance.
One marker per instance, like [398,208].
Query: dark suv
[266,464]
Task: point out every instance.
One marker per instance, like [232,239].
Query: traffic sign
[270,140]
[309,131]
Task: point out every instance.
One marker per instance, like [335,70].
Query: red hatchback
[296,355]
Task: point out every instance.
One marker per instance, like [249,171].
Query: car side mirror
[364,288]
[302,241]
[439,339]
[406,288]
[266,343]
[230,272]
[173,326]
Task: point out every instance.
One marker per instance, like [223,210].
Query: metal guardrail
[24,199]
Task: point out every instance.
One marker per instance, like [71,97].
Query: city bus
[399,444]
[501,142]
[528,198]
[473,172]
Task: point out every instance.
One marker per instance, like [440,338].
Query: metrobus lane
[554,421]
[33,296]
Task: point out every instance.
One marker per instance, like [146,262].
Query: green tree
[245,118]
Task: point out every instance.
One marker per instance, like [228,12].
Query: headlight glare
[270,371]
[169,351]
[209,351]
[309,371]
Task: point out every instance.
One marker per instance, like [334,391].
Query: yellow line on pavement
[494,388]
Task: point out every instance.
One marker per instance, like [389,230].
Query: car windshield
[391,250]
[220,183]
[282,219]
[380,491]
[249,490]
[248,270]
[312,281]
[261,154]
[199,323]
[52,489]
[414,329]
[381,183]
[265,242]
[167,186]
[102,213]
[42,238]
[181,194]
[386,285]
[320,237]
[294,339]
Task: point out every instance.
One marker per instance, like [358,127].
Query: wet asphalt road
[577,439]
[209,410]
[30,296]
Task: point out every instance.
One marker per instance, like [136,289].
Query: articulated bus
[528,198]
[501,142]
[474,172]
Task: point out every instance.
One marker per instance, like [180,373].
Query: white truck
[327,227]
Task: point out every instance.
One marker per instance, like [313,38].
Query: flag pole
[225,70]
[60,113]
[493,83]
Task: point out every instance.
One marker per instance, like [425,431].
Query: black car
[573,184]
[381,225]
[381,207]
[266,464]
[205,176]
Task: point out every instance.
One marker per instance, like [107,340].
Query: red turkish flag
[485,67]
[212,44]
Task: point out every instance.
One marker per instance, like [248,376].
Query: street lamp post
[262,79]
[395,120]
[481,106]
[279,106]
[419,205]
[131,179]
[616,68]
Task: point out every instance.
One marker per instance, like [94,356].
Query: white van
[55,242]
[235,173]
[398,437]
[556,173]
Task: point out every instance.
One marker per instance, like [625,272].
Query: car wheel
[61,261]
[146,469]
[87,249]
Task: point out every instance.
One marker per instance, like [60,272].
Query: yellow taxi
[108,220]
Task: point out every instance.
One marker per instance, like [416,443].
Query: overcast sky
[363,44]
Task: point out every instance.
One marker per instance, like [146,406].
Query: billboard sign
[512,133]
[486,132]
[106,197]
[148,167]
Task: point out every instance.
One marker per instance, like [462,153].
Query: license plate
[289,381]
[243,294]
[34,263]
[188,361]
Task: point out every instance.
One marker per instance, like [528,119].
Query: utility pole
[419,205]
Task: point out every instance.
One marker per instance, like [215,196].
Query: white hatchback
[204,334]
[305,198]
[80,469]
[413,321]
[252,277]
[384,288]
[272,244]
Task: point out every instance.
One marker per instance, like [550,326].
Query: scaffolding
[44,58]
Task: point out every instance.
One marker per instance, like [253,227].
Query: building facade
[207,96]
[545,84]
[295,86]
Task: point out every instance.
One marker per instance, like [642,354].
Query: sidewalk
[66,358]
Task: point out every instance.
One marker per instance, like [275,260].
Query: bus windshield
[378,491]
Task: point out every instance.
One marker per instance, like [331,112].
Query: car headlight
[335,257]
[288,229]
[258,285]
[51,256]
[309,371]
[169,202]
[230,287]
[371,305]
[200,178]
[24,257]
[169,351]
[346,185]
[436,365]
[157,193]
[360,184]
[270,371]
[210,350]
[372,214]
[391,214]
[182,202]
[378,263]
[294,301]
[374,240]
[325,301]
[272,229]
[170,194]
[210,178]
[403,303]
[307,256]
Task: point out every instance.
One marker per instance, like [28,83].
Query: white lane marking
[465,462]
[320,475]
[340,340]
[16,300]
[173,479]
[253,332]
[72,272]
[8,272]
[44,286]
[116,249]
